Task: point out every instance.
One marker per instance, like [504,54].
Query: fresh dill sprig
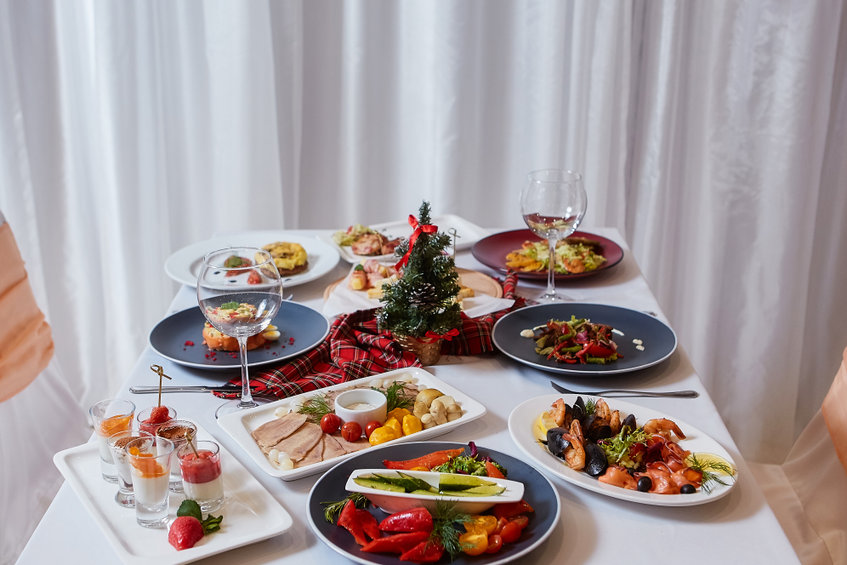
[315,408]
[713,472]
[447,521]
[333,509]
[590,406]
[395,396]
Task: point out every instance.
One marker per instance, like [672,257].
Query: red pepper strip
[492,471]
[428,551]
[509,509]
[429,461]
[599,350]
[352,523]
[369,523]
[395,543]
[414,520]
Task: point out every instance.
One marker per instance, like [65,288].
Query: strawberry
[185,532]
[159,415]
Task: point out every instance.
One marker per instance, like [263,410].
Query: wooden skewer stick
[161,372]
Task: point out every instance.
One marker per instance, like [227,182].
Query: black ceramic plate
[492,250]
[301,327]
[538,492]
[657,339]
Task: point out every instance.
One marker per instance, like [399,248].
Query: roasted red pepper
[428,551]
[492,471]
[510,509]
[395,543]
[429,460]
[358,522]
[412,520]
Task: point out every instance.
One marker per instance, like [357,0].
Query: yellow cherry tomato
[395,424]
[411,424]
[481,523]
[382,434]
[474,543]
[398,413]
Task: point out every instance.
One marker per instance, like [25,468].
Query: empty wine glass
[239,291]
[553,204]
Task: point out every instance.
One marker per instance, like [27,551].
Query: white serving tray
[467,234]
[250,513]
[240,424]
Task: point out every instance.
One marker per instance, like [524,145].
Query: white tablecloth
[594,529]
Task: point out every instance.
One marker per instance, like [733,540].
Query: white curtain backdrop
[713,135]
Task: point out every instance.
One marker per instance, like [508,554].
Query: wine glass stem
[551,269]
[246,395]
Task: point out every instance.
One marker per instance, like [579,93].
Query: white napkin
[344,300]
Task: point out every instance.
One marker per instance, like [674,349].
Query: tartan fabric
[355,348]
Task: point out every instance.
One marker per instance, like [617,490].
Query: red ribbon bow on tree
[419,229]
[448,335]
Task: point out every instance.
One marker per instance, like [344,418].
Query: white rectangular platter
[467,234]
[240,424]
[250,513]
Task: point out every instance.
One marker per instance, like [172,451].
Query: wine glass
[239,291]
[553,204]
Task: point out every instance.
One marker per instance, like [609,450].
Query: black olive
[687,489]
[645,483]
[595,459]
[556,443]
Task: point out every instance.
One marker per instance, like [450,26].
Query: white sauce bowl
[361,405]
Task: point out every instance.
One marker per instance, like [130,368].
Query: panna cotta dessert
[108,418]
[202,480]
[150,464]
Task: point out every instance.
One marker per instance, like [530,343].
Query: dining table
[592,527]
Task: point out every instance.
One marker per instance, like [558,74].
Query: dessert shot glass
[109,417]
[149,419]
[201,474]
[150,459]
[180,432]
[117,444]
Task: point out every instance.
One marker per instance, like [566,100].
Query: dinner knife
[620,393]
[188,388]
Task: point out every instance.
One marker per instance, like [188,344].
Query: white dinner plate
[240,424]
[523,417]
[183,266]
[467,234]
[250,513]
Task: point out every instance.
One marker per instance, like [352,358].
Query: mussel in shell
[596,428]
[595,460]
[556,442]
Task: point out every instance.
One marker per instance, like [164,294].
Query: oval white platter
[524,415]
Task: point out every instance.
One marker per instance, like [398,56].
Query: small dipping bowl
[361,405]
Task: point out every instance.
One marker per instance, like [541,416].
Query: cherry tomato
[351,431]
[511,532]
[495,543]
[371,426]
[330,423]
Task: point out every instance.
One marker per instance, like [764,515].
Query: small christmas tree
[422,303]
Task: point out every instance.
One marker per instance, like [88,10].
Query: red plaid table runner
[355,348]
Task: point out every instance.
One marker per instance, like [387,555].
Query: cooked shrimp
[615,422]
[602,411]
[559,412]
[575,452]
[619,477]
[663,427]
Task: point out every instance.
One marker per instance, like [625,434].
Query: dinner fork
[620,393]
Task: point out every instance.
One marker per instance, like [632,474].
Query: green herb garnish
[234,261]
[333,509]
[395,396]
[617,448]
[713,472]
[315,408]
[232,305]
[447,524]
[190,507]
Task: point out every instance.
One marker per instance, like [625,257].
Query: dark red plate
[492,250]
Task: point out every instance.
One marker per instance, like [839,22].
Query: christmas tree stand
[428,350]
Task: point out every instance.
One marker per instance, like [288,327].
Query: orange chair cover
[26,343]
[834,411]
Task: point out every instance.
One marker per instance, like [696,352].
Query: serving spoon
[620,393]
